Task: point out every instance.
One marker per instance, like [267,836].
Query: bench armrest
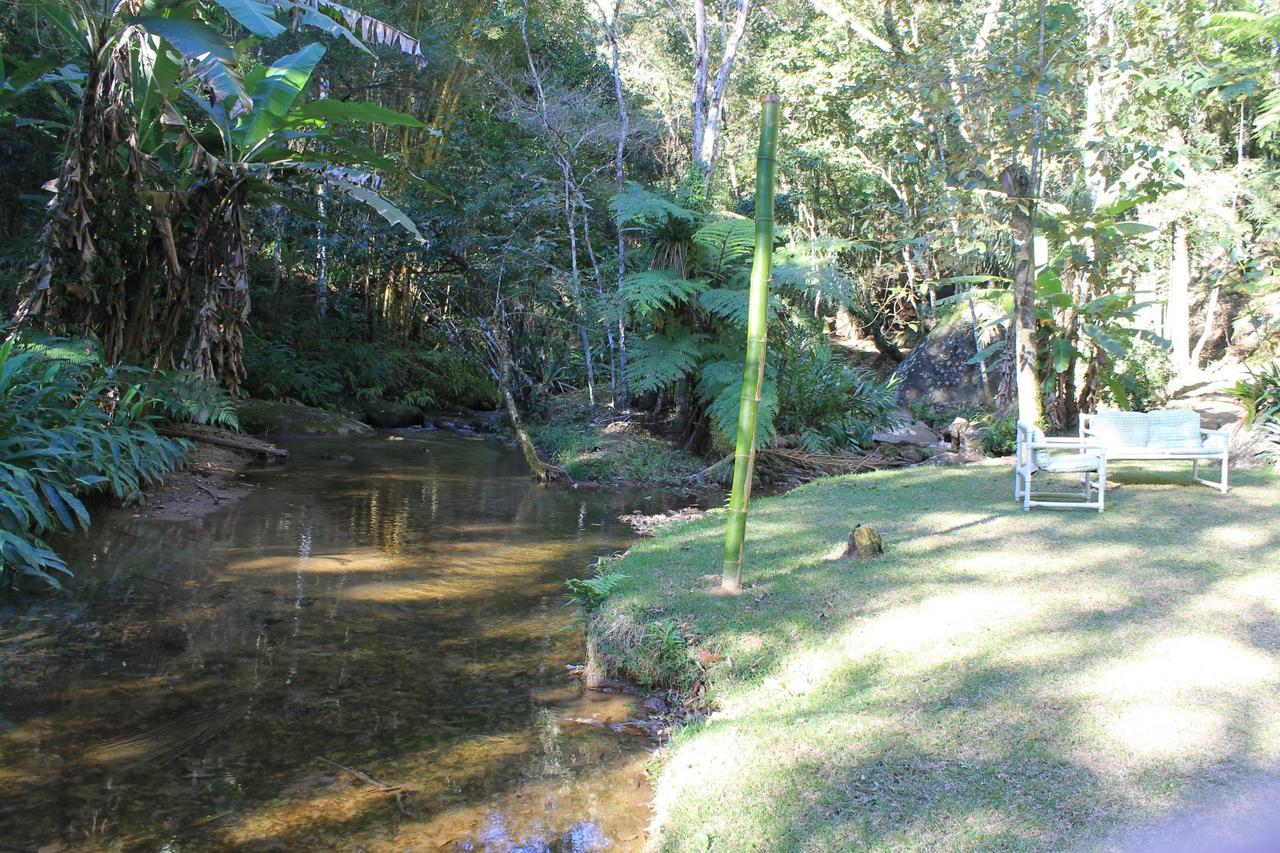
[1215,439]
[1067,444]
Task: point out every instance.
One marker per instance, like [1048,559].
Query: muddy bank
[214,475]
[213,478]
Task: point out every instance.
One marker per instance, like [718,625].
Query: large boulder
[278,418]
[937,370]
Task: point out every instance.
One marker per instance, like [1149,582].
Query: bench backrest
[1163,429]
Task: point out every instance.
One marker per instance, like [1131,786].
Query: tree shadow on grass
[1023,685]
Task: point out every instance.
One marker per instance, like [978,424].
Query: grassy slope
[998,680]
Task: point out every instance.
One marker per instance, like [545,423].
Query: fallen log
[209,435]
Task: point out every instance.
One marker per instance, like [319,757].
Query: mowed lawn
[999,680]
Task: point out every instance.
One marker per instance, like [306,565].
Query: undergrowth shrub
[1259,395]
[590,593]
[828,403]
[327,362]
[68,427]
[999,434]
[1139,381]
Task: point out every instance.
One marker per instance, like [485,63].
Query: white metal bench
[1162,434]
[1035,453]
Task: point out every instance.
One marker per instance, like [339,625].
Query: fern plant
[590,593]
[183,397]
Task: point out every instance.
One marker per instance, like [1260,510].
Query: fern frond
[812,273]
[731,305]
[720,388]
[1240,27]
[636,205]
[650,292]
[660,359]
[725,242]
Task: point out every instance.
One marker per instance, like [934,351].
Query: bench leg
[1102,484]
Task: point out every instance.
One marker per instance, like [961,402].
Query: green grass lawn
[998,680]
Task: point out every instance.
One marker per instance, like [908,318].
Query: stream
[361,654]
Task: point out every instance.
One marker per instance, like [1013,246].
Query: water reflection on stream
[366,654]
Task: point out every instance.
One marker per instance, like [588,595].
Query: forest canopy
[305,200]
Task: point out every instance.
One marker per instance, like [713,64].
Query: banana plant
[171,129]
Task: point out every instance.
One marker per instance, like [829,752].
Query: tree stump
[865,542]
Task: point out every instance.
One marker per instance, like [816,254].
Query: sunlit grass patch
[998,679]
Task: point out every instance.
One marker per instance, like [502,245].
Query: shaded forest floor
[998,680]
[612,448]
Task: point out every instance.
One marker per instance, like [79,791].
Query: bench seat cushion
[1120,429]
[1174,429]
[1067,463]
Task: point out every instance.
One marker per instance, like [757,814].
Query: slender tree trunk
[575,284]
[1177,322]
[708,106]
[599,279]
[624,129]
[1206,333]
[497,336]
[753,369]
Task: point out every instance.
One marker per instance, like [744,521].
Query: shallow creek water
[366,654]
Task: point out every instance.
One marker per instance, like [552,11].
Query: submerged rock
[389,415]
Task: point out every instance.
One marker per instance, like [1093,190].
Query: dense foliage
[423,203]
[70,426]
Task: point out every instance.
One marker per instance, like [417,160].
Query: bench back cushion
[1121,429]
[1174,429]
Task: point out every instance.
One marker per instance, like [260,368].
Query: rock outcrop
[937,370]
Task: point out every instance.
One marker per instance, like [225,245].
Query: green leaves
[211,57]
[725,242]
[274,90]
[66,427]
[636,205]
[258,18]
[662,358]
[382,207]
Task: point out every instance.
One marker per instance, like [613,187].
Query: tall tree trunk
[753,369]
[497,337]
[1177,321]
[322,249]
[1017,185]
[1206,333]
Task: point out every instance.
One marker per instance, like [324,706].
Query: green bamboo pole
[744,459]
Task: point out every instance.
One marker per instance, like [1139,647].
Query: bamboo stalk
[753,369]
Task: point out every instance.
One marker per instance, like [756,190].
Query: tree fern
[812,273]
[720,386]
[661,358]
[637,205]
[725,244]
[654,291]
[730,305]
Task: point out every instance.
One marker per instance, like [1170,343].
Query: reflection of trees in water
[216,618]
